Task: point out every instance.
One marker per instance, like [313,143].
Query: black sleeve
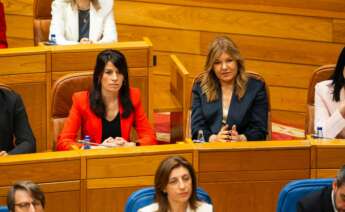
[258,115]
[198,121]
[24,138]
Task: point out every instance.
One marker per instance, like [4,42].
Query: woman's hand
[235,136]
[85,41]
[3,153]
[224,135]
[114,142]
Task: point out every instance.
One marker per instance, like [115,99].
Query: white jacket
[65,23]
[202,207]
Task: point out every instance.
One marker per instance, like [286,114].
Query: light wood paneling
[339,30]
[19,26]
[23,7]
[226,21]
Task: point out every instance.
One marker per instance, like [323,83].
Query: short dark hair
[340,178]
[96,100]
[28,186]
[338,80]
[162,179]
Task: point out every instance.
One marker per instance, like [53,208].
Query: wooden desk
[249,176]
[238,176]
[327,157]
[58,173]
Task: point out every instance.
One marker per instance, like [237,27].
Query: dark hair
[28,186]
[162,179]
[338,80]
[96,100]
[340,178]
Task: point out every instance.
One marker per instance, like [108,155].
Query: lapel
[73,22]
[93,24]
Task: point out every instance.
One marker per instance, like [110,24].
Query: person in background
[109,111]
[25,196]
[175,186]
[227,105]
[330,102]
[3,39]
[329,199]
[16,136]
[83,21]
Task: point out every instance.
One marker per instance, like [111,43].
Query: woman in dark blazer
[108,112]
[16,136]
[227,105]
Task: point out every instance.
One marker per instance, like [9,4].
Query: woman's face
[112,79]
[225,68]
[179,187]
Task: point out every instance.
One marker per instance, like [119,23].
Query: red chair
[3,39]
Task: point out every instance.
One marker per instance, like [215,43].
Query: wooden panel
[20,64]
[253,160]
[326,173]
[108,199]
[163,39]
[120,182]
[129,166]
[330,157]
[68,201]
[40,172]
[83,61]
[280,50]
[22,7]
[226,21]
[295,119]
[319,8]
[292,99]
[16,42]
[259,196]
[339,30]
[19,26]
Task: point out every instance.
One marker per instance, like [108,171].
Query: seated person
[25,196]
[227,105]
[330,102]
[14,123]
[108,112]
[175,185]
[3,40]
[329,199]
[83,21]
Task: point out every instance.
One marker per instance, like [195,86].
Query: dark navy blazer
[248,114]
[14,123]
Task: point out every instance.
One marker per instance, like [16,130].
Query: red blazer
[81,115]
[3,40]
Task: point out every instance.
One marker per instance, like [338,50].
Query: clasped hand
[226,135]
[116,142]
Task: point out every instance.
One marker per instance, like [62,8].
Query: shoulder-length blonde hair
[210,84]
[95,4]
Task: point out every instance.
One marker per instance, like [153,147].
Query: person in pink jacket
[330,102]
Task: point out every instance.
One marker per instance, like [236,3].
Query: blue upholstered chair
[3,208]
[146,196]
[296,190]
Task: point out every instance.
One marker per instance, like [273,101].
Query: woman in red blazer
[108,112]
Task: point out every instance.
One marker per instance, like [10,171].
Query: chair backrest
[62,92]
[251,75]
[42,18]
[320,74]
[3,208]
[296,190]
[146,196]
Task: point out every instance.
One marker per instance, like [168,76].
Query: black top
[84,24]
[14,123]
[111,128]
[318,201]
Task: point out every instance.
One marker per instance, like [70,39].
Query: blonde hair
[95,4]
[210,84]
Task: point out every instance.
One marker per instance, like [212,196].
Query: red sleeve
[3,39]
[144,130]
[68,135]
